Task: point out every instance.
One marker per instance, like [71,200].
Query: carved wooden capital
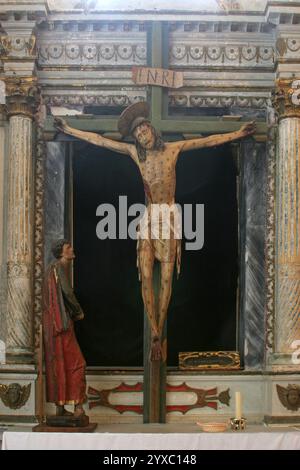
[22,96]
[287,98]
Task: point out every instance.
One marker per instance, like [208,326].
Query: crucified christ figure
[156,161]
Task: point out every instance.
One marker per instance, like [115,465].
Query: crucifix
[156,161]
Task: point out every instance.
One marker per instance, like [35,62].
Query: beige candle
[238,405]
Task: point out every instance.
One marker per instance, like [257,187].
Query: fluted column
[21,102]
[288,222]
[2,223]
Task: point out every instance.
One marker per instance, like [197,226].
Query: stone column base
[18,393]
[283,362]
[282,399]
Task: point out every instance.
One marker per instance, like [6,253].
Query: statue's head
[62,249]
[135,121]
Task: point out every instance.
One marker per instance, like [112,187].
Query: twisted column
[21,104]
[288,219]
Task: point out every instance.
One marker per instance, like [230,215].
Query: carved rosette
[22,97]
[287,98]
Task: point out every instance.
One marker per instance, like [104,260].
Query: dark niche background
[202,312]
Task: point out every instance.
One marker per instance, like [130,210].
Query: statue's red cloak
[65,365]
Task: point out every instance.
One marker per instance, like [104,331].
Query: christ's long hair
[158,145]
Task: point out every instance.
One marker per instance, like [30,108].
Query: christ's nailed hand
[60,124]
[248,129]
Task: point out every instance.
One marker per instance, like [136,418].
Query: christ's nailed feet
[156,352]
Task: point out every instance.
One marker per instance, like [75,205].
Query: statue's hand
[60,124]
[248,129]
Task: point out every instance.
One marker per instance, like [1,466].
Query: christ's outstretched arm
[218,139]
[95,139]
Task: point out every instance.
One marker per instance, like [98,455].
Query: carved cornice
[22,96]
[287,98]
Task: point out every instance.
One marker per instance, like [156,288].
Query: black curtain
[202,312]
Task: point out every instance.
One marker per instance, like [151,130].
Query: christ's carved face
[145,136]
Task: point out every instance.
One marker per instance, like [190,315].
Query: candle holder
[238,424]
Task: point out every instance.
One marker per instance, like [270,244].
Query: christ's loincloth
[162,233]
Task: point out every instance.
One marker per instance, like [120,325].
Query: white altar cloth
[255,438]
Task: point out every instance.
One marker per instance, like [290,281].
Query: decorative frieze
[202,398]
[287,98]
[39,232]
[93,50]
[180,99]
[200,100]
[270,246]
[92,53]
[16,47]
[199,54]
[101,98]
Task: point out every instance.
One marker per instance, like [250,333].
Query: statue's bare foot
[156,352]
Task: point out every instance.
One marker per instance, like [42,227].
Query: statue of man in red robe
[65,364]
